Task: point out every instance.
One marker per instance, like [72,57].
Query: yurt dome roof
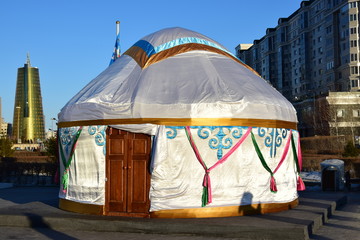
[178,77]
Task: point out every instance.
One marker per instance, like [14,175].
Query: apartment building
[311,53]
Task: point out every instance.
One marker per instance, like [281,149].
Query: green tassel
[205,197]
[65,180]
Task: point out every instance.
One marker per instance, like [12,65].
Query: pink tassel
[273,187]
[300,184]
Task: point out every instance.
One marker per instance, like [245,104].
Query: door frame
[128,136]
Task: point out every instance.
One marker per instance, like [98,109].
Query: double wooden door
[127,173]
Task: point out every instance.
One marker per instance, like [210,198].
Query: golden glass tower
[28,121]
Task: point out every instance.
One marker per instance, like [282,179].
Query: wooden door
[127,171]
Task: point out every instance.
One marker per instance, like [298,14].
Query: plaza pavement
[37,207]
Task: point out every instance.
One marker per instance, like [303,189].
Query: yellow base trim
[230,211]
[77,207]
[206,212]
[187,122]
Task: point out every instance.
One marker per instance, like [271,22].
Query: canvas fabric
[176,174]
[192,84]
[87,168]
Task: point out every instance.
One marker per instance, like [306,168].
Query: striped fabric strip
[149,49]
[298,162]
[145,54]
[66,163]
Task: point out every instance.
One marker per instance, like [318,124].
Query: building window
[355,83]
[356,112]
[353,30]
[353,4]
[353,43]
[330,65]
[353,17]
[340,113]
[329,29]
[345,33]
[353,57]
[354,70]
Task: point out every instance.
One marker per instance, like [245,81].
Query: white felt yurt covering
[166,81]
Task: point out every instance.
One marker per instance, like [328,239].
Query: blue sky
[71,41]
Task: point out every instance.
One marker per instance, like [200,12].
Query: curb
[298,223]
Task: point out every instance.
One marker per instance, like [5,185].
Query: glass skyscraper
[28,121]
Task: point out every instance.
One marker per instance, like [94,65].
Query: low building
[333,114]
[4,130]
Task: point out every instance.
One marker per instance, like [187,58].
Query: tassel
[65,180]
[273,187]
[207,195]
[300,184]
[204,197]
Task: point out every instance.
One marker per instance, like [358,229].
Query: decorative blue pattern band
[67,136]
[220,136]
[100,136]
[273,138]
[146,46]
[150,50]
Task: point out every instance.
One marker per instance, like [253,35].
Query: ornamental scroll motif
[220,137]
[100,136]
[67,136]
[273,138]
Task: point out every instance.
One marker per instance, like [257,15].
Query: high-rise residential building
[310,54]
[28,121]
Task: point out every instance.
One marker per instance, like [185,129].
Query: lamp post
[18,124]
[52,126]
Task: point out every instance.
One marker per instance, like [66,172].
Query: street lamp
[52,126]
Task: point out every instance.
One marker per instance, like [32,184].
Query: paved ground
[344,223]
[46,234]
[33,211]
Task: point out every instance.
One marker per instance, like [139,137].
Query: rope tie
[273,187]
[207,192]
[300,186]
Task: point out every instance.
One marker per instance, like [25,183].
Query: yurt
[178,127]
